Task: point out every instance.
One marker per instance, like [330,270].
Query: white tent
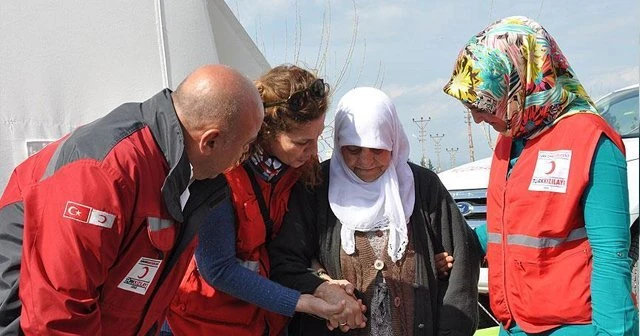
[66,63]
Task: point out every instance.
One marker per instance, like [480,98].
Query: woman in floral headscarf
[557,236]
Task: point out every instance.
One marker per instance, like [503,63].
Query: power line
[452,156]
[467,120]
[437,138]
[422,137]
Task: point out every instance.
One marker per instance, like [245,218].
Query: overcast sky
[408,47]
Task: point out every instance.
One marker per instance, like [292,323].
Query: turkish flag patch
[86,214]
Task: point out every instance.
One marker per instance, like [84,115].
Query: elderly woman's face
[367,163]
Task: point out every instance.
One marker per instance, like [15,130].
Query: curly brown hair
[277,85]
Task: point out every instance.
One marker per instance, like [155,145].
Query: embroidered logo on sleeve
[85,214]
[551,172]
[140,277]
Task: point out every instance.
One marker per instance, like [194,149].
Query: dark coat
[442,307]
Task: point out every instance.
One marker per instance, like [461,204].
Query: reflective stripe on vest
[157,224]
[162,233]
[538,242]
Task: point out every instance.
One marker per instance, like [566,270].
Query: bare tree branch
[323,35]
[379,76]
[364,55]
[286,40]
[298,35]
[347,62]
[384,73]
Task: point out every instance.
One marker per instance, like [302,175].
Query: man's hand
[444,263]
[352,316]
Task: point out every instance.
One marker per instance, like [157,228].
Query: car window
[621,111]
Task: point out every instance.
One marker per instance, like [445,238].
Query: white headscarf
[366,117]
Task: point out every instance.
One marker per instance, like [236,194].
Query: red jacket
[538,252]
[101,214]
[199,309]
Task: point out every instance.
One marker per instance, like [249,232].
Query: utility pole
[436,138]
[467,119]
[422,137]
[452,156]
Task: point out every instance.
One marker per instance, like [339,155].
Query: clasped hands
[335,301]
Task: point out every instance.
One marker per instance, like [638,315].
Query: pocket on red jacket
[554,290]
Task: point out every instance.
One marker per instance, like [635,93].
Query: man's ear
[209,140]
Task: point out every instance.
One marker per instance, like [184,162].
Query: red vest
[198,309]
[538,253]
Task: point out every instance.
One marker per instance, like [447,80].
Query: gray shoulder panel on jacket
[11,232]
[95,140]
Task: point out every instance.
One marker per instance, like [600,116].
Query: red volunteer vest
[198,309]
[539,256]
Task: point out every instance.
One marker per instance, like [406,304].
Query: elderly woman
[378,222]
[557,210]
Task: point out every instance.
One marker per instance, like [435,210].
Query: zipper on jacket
[272,188]
[504,248]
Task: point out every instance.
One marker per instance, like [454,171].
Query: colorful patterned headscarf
[514,70]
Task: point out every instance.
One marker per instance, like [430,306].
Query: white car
[468,183]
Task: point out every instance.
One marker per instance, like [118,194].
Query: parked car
[468,183]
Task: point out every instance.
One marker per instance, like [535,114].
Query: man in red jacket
[97,229]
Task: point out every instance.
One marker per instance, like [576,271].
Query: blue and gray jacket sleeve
[218,265]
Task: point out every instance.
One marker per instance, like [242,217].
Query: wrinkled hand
[350,289]
[310,304]
[444,263]
[344,284]
[344,327]
[352,316]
